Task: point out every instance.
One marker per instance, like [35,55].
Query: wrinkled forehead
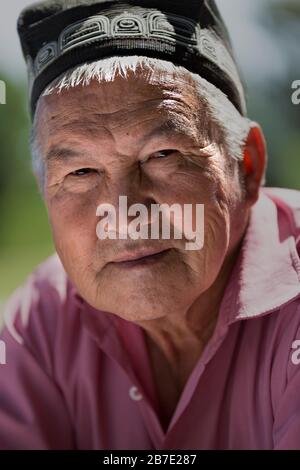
[135,99]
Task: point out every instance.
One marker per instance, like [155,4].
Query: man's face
[149,142]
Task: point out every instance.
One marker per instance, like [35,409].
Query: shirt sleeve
[33,412]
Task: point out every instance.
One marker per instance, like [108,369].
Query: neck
[176,342]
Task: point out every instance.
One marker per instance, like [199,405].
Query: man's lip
[139,254]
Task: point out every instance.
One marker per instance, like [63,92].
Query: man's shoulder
[48,276]
[40,299]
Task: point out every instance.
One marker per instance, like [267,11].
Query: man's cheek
[72,215]
[216,230]
[71,233]
[75,250]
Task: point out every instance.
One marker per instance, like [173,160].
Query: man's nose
[125,197]
[132,184]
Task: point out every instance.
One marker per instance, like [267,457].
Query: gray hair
[233,126]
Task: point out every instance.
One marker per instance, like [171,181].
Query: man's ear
[254,162]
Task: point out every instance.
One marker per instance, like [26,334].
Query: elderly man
[140,343]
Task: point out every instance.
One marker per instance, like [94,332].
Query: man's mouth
[141,258]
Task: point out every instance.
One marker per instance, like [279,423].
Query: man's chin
[148,297]
[135,311]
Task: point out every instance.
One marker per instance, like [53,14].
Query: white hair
[233,126]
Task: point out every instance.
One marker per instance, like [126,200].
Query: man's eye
[162,154]
[82,172]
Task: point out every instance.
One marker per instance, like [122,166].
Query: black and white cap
[57,35]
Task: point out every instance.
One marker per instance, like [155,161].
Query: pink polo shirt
[78,378]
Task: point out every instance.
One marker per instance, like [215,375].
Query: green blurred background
[266,35]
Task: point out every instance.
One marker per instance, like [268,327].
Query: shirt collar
[266,275]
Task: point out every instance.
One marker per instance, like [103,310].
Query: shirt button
[135,394]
